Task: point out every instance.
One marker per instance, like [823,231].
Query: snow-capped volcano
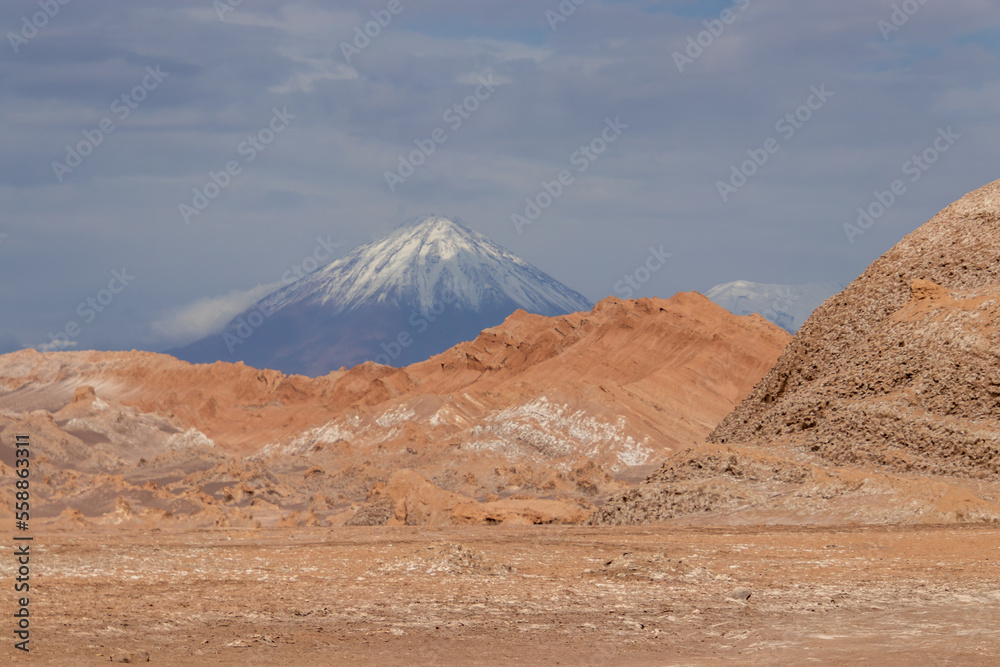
[428,259]
[788,306]
[428,285]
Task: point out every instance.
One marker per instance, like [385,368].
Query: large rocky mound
[535,421]
[885,406]
[902,368]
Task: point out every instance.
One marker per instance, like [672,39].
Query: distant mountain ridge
[429,284]
[788,306]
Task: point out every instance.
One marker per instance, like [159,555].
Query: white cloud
[207,316]
[309,69]
[314,70]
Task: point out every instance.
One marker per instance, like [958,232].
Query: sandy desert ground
[665,594]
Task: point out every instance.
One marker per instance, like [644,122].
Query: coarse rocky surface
[885,407]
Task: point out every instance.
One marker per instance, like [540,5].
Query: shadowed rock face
[885,407]
[535,421]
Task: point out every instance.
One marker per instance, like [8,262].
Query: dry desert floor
[658,595]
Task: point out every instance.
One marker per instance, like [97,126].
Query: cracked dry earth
[663,594]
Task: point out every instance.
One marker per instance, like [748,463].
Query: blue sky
[212,87]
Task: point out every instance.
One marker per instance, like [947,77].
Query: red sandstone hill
[885,406]
[535,420]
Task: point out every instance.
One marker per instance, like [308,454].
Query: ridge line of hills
[535,420]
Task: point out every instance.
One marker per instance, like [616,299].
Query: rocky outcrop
[902,369]
[886,403]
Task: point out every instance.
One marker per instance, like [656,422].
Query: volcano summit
[428,285]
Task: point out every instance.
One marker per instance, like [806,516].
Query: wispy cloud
[206,316]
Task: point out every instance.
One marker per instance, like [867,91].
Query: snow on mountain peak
[428,259]
[788,306]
